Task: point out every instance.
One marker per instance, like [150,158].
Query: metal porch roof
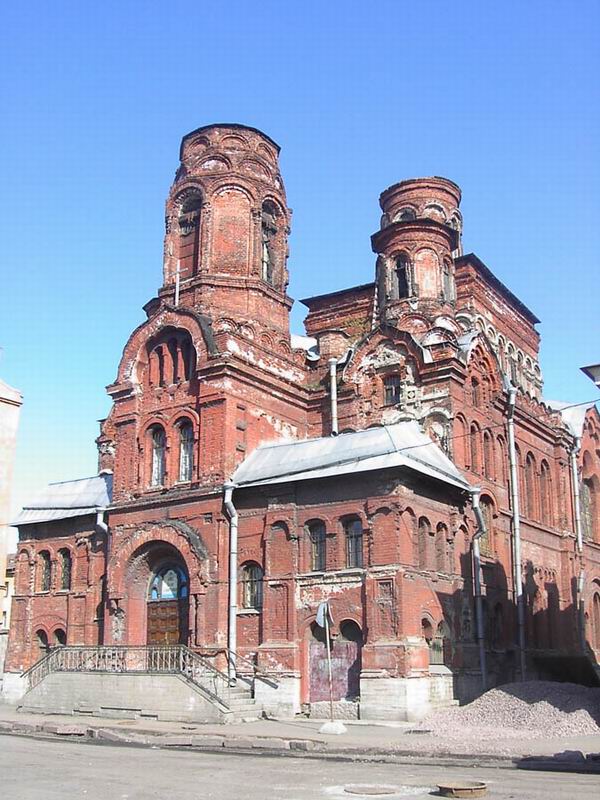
[384,447]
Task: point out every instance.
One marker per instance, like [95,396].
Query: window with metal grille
[391,390]
[65,569]
[318,546]
[252,586]
[158,456]
[186,451]
[354,543]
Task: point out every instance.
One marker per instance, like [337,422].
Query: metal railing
[245,667]
[152,659]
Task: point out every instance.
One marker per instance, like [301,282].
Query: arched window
[186,451]
[487,512]
[596,621]
[158,443]
[60,637]
[475,448]
[530,504]
[189,234]
[188,356]
[502,466]
[475,393]
[589,508]
[42,642]
[269,232]
[252,586]
[425,535]
[391,390]
[401,278]
[439,646]
[448,284]
[488,456]
[168,583]
[318,546]
[65,568]
[405,215]
[441,547]
[545,494]
[173,349]
[45,572]
[354,542]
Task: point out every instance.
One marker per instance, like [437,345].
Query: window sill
[248,612]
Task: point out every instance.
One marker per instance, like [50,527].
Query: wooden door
[167,622]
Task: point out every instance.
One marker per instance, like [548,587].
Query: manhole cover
[371,789]
[463,789]
[375,789]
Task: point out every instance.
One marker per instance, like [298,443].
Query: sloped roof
[573,415]
[384,447]
[68,499]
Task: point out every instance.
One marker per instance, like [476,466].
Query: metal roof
[68,499]
[384,447]
[573,415]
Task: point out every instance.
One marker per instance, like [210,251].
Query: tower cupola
[227,224]
[416,245]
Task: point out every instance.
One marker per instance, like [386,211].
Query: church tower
[227,224]
[416,245]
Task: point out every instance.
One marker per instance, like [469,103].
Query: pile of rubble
[532,709]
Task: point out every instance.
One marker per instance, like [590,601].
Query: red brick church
[248,475]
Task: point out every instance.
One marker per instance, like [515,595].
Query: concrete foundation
[280,701]
[13,687]
[405,699]
[163,697]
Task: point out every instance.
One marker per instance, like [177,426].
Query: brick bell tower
[416,245]
[227,224]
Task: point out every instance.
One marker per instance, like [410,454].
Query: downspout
[233,558]
[481,531]
[579,537]
[333,390]
[101,526]
[514,495]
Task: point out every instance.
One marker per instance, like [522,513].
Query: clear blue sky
[500,97]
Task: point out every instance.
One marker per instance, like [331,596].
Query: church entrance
[168,603]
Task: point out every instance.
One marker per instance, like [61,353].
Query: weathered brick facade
[213,373]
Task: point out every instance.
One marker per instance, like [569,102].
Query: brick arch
[197,325]
[179,535]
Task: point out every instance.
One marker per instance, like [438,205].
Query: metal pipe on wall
[333,395]
[514,494]
[233,558]
[576,500]
[479,623]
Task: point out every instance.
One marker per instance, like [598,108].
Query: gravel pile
[532,709]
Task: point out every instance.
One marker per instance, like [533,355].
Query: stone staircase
[162,682]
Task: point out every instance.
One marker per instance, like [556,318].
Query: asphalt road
[33,769]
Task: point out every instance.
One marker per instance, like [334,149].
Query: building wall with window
[212,374]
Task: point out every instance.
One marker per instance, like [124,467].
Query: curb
[296,748]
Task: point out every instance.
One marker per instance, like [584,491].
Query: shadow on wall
[552,637]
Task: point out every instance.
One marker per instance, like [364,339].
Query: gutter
[333,390]
[576,500]
[516,539]
[479,622]
[233,558]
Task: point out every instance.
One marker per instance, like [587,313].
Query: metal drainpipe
[333,389]
[481,531]
[102,527]
[233,557]
[514,493]
[579,537]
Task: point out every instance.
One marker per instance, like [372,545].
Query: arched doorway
[346,651]
[167,605]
